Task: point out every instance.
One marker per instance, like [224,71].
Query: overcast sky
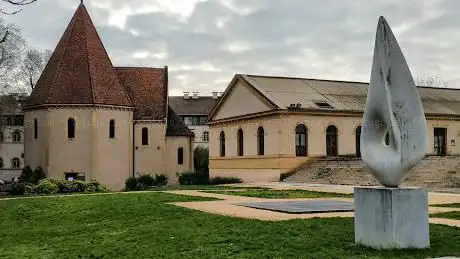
[204,43]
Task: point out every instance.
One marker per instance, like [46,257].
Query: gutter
[134,149]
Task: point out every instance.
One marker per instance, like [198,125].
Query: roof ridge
[306,78]
[87,53]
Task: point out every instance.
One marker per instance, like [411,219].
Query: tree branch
[5,36]
[17,3]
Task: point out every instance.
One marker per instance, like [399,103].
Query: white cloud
[204,43]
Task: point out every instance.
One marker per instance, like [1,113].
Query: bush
[45,186]
[193,178]
[161,179]
[224,180]
[69,186]
[18,189]
[130,184]
[146,180]
[33,177]
[95,187]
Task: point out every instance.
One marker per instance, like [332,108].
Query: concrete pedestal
[387,218]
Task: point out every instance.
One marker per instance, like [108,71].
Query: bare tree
[17,3]
[10,55]
[32,65]
[430,81]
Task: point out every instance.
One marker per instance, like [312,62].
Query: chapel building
[87,119]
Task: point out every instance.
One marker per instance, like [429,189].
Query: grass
[449,205]
[447,215]
[283,194]
[198,187]
[144,225]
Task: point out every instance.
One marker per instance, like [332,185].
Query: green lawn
[283,194]
[449,205]
[447,215]
[143,225]
[199,187]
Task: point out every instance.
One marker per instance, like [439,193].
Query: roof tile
[79,71]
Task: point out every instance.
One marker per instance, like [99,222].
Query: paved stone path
[227,205]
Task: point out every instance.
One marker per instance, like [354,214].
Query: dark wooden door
[440,141]
[331,141]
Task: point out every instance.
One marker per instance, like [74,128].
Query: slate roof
[79,71]
[148,90]
[201,106]
[342,95]
[176,127]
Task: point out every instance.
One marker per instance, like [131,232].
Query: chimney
[215,95]
[221,93]
[186,96]
[195,95]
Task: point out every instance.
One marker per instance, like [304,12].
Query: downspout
[134,148]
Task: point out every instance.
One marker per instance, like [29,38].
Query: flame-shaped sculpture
[393,107]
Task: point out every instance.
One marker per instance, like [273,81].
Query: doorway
[440,141]
[331,141]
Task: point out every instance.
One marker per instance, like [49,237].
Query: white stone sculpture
[394,106]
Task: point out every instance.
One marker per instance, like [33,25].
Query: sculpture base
[388,218]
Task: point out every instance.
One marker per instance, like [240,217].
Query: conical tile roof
[79,71]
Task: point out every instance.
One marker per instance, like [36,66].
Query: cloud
[204,43]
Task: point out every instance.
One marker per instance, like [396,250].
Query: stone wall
[434,173]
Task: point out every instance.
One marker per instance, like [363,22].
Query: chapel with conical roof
[89,120]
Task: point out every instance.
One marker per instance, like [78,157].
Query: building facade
[194,111]
[264,126]
[11,136]
[87,119]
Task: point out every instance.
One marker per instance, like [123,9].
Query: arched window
[145,136]
[16,136]
[112,129]
[301,140]
[35,128]
[331,141]
[260,141]
[180,156]
[205,136]
[222,143]
[71,128]
[1,163]
[240,142]
[15,163]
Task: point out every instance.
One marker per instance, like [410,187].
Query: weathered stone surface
[387,218]
[393,105]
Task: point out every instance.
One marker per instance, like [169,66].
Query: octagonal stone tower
[79,117]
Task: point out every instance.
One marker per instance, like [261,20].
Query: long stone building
[87,119]
[264,126]
[11,136]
